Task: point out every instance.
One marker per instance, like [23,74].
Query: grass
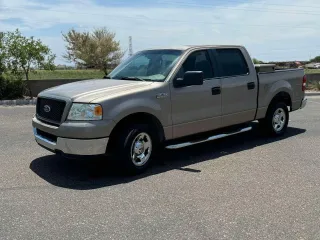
[66,74]
[87,74]
[312,70]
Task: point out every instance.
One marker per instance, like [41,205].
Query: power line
[275,53]
[242,9]
[130,46]
[239,2]
[170,20]
[271,52]
[175,21]
[159,2]
[194,5]
[217,23]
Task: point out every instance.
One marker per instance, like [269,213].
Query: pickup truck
[166,98]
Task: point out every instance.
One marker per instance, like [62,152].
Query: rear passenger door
[238,86]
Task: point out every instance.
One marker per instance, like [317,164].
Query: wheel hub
[138,148]
[141,149]
[279,119]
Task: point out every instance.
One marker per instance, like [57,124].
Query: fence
[313,78]
[37,86]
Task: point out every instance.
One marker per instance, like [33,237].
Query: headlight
[83,111]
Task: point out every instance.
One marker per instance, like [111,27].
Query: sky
[271,30]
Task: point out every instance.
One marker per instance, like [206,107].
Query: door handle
[216,90]
[251,85]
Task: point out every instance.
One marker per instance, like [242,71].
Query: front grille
[46,135]
[50,109]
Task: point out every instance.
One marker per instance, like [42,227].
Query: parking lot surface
[241,187]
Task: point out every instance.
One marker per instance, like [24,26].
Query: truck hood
[89,90]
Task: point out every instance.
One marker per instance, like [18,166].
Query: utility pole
[1,60]
[130,46]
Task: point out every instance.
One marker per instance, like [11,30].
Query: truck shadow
[98,173]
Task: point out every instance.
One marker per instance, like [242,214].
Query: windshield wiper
[134,78]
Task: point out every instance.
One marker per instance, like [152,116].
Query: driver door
[196,109]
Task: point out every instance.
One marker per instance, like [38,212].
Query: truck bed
[272,82]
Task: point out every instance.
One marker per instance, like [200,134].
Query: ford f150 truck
[171,97]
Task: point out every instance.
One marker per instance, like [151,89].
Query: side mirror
[190,78]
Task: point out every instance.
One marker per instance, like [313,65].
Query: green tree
[256,61]
[2,65]
[27,54]
[316,59]
[2,54]
[98,49]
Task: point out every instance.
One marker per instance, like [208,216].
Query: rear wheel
[276,121]
[135,147]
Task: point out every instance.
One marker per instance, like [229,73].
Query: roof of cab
[187,47]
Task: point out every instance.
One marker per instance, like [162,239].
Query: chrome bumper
[70,146]
[303,103]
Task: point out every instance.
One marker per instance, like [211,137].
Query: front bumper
[80,147]
[303,103]
[77,129]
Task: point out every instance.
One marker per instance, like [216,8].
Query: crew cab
[170,97]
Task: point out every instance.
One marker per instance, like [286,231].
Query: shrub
[314,86]
[11,87]
[2,86]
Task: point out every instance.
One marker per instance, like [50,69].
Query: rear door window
[232,62]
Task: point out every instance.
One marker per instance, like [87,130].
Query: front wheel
[276,121]
[135,148]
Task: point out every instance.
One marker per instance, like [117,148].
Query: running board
[215,137]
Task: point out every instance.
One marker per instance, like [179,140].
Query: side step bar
[215,137]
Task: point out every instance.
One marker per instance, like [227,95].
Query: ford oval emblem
[46,108]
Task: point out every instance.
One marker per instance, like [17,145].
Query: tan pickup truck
[172,98]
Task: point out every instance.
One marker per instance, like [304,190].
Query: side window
[197,61]
[232,62]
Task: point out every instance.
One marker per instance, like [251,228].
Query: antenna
[130,46]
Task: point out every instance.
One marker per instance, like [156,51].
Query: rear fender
[276,88]
[268,93]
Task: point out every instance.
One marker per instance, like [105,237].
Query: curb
[312,94]
[18,102]
[21,102]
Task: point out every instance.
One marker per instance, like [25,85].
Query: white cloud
[270,32]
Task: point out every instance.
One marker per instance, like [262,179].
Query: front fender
[135,105]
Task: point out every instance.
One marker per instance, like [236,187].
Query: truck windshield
[149,65]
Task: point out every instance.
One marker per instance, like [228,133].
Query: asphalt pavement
[241,187]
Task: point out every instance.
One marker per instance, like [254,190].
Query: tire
[135,147]
[276,121]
